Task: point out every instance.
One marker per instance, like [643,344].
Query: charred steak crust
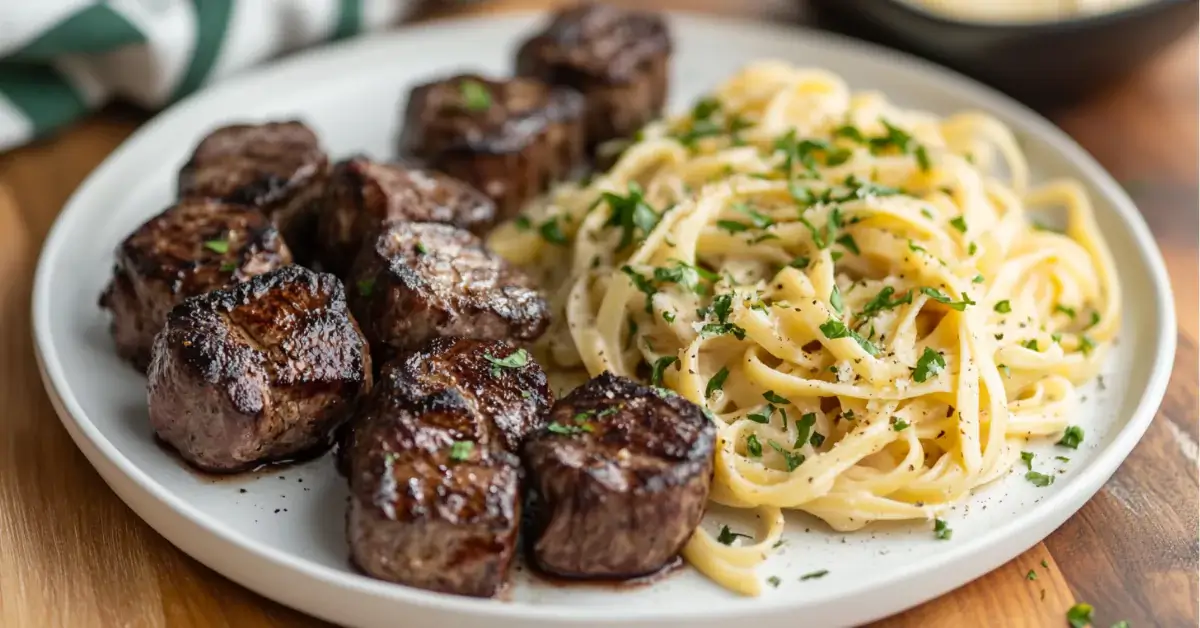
[363,194]
[191,248]
[415,281]
[278,167]
[513,398]
[620,477]
[510,139]
[618,59]
[258,372]
[424,511]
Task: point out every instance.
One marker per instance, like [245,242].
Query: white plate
[283,536]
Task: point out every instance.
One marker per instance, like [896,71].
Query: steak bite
[435,486]
[278,167]
[191,248]
[363,194]
[417,280]
[510,139]
[619,61]
[259,372]
[620,477]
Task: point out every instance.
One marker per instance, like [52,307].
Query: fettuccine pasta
[860,295]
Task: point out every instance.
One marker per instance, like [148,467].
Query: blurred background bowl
[1042,63]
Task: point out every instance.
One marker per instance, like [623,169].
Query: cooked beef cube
[363,194]
[258,372]
[278,167]
[619,60]
[435,486]
[510,139]
[417,280]
[191,248]
[620,477]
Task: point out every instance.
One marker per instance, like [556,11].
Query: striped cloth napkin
[60,59]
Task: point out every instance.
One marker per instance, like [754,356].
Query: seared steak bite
[363,194]
[258,372]
[621,476]
[191,248]
[418,280]
[510,139]
[435,488]
[619,61]
[278,167]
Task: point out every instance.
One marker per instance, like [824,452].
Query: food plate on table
[281,530]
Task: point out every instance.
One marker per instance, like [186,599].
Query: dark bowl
[1041,63]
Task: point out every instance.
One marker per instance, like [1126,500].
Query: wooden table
[72,554]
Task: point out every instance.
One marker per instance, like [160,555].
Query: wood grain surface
[71,554]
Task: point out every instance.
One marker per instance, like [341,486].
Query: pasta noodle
[872,317]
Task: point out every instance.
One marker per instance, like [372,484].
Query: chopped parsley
[883,301]
[792,460]
[753,447]
[978,278]
[559,428]
[1086,344]
[366,287]
[523,223]
[643,284]
[217,246]
[421,248]
[720,329]
[1094,321]
[847,241]
[774,581]
[959,223]
[732,226]
[835,299]
[820,573]
[1031,575]
[552,232]
[928,365]
[940,297]
[228,267]
[631,213]
[1069,311]
[899,424]
[1027,458]
[800,262]
[834,329]
[804,425]
[727,536]
[894,137]
[774,398]
[684,275]
[817,439]
[1080,615]
[923,159]
[660,367]
[1003,368]
[669,317]
[1030,344]
[1003,307]
[461,450]
[971,248]
[941,531]
[716,382]
[1039,479]
[850,132]
[1062,458]
[475,96]
[1071,437]
[516,359]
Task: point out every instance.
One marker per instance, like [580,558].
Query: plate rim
[998,546]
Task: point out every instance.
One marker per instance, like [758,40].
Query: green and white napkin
[60,59]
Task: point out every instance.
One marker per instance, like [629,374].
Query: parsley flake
[727,536]
[475,95]
[660,367]
[1039,480]
[1071,437]
[217,246]
[941,531]
[461,450]
[928,365]
[716,382]
[1080,615]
